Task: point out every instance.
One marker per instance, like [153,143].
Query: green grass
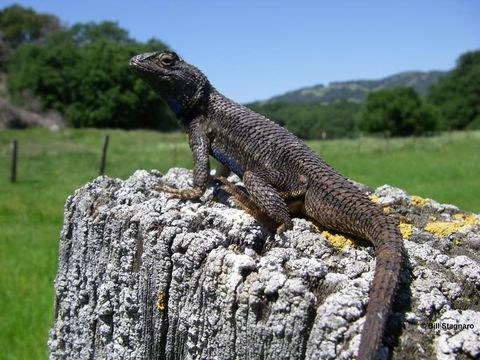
[50,167]
[444,168]
[53,164]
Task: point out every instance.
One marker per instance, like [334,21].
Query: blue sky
[252,50]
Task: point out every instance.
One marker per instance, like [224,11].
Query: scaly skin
[282,176]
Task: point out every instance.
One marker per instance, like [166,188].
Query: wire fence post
[103,159]
[13,168]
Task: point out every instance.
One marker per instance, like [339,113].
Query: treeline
[451,104]
[82,72]
[313,121]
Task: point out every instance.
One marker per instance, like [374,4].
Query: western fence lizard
[282,176]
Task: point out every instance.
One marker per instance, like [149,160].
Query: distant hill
[356,91]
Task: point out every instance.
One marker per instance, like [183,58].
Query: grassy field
[53,164]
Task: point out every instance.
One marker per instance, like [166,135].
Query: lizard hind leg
[246,203]
[262,201]
[268,199]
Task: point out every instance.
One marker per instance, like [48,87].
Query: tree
[457,95]
[400,112]
[4,49]
[83,73]
[20,25]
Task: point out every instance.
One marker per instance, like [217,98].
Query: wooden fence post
[103,159]
[13,169]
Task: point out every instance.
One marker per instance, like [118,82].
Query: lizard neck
[188,108]
[175,105]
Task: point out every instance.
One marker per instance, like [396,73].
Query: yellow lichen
[161,299]
[376,200]
[445,228]
[405,229]
[418,201]
[468,219]
[336,240]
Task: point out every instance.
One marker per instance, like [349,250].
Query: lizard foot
[184,194]
[243,201]
[227,186]
[284,227]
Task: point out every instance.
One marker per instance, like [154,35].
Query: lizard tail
[389,251]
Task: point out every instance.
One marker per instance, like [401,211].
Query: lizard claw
[184,194]
[166,188]
[227,186]
[222,179]
[284,227]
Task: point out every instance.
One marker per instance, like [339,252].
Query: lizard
[282,176]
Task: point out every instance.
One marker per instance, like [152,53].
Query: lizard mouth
[140,67]
[143,68]
[135,62]
[138,62]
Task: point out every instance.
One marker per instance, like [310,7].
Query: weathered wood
[144,276]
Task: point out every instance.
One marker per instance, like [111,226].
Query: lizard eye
[166,60]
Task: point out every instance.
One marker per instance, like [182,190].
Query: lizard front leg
[200,145]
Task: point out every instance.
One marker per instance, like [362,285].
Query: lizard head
[182,85]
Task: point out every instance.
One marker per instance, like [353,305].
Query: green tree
[20,25]
[400,112]
[457,95]
[83,73]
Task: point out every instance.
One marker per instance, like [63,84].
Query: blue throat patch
[228,162]
[174,104]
